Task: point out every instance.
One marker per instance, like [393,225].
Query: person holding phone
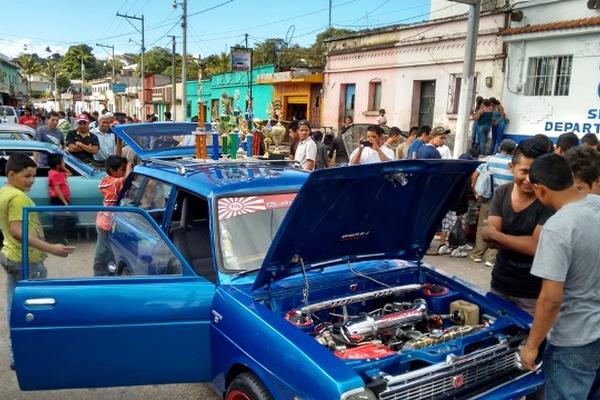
[372,150]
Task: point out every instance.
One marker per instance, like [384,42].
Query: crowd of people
[528,201]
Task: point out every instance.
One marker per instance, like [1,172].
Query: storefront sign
[119,87]
[592,125]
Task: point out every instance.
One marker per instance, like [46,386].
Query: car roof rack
[182,166]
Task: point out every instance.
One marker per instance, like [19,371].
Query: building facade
[12,89]
[230,83]
[412,71]
[552,83]
[298,93]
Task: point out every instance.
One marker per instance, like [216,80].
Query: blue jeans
[572,373]
[104,254]
[482,137]
[497,136]
[474,139]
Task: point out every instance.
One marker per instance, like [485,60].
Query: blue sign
[119,87]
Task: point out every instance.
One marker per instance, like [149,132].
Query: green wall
[229,82]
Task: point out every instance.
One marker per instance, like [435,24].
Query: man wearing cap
[80,142]
[444,149]
[430,149]
[106,139]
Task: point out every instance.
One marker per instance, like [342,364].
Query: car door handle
[44,301]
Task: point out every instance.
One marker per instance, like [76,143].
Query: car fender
[285,358]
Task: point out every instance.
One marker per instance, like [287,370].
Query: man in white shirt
[106,139]
[372,150]
[306,152]
[445,150]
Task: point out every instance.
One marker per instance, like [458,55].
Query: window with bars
[549,76]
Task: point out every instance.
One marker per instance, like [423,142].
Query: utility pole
[183,5]
[249,102]
[173,80]
[468,79]
[113,57]
[82,70]
[127,18]
[330,1]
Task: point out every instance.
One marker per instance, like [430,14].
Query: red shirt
[58,178]
[109,187]
[30,121]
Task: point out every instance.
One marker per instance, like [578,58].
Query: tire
[246,386]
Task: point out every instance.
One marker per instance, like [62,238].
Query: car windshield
[167,141]
[247,226]
[7,111]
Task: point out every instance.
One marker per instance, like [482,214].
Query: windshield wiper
[246,272]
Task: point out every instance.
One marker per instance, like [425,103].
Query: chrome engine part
[358,329]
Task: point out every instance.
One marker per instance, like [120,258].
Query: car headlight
[359,394]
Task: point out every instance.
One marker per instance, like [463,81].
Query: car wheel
[247,386]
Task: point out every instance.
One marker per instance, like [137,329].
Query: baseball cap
[82,117]
[440,130]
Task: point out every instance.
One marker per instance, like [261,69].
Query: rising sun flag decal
[230,207]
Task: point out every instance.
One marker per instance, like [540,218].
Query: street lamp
[468,78]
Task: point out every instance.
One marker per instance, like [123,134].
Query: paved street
[476,273]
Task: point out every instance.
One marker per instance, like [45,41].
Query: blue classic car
[272,283]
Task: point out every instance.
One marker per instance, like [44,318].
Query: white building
[412,71]
[552,83]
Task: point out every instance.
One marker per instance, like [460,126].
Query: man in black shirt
[514,226]
[80,142]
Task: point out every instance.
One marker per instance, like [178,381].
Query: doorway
[349,96]
[426,103]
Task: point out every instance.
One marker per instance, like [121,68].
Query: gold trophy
[277,133]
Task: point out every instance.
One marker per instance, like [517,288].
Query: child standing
[20,173]
[60,195]
[117,169]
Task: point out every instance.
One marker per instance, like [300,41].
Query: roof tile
[553,26]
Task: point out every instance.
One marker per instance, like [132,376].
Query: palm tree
[29,66]
[51,70]
[217,63]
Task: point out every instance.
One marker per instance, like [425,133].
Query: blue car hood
[383,210]
[143,138]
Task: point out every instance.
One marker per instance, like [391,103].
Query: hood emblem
[458,381]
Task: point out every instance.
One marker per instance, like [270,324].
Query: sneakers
[489,264]
[459,253]
[444,250]
[476,259]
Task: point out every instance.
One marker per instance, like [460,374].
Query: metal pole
[143,75]
[82,68]
[184,62]
[113,64]
[249,78]
[142,71]
[468,77]
[173,81]
[330,14]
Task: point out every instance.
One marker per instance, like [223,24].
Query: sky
[214,25]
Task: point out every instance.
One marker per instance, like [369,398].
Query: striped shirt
[498,166]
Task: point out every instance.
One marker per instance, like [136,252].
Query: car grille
[454,377]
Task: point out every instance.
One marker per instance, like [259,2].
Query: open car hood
[158,139]
[375,211]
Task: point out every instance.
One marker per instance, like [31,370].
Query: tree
[192,68]
[62,83]
[156,60]
[267,52]
[130,58]
[51,70]
[316,56]
[30,65]
[71,63]
[217,64]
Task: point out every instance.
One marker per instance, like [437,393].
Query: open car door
[80,321]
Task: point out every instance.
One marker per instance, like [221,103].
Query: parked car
[12,131]
[83,181]
[273,283]
[8,115]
